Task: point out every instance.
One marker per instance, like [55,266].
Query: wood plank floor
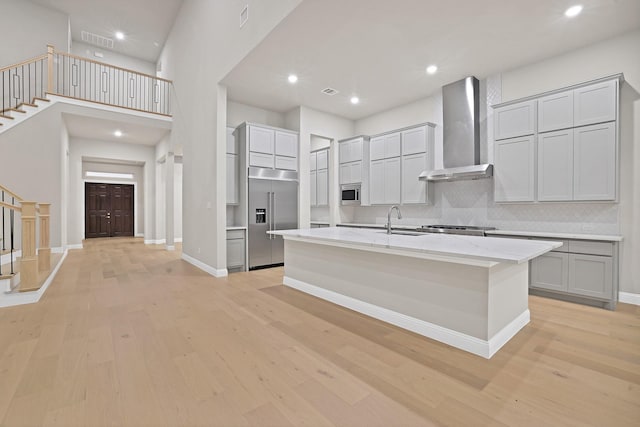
[129,335]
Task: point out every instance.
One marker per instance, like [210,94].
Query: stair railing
[32,259]
[72,76]
[23,82]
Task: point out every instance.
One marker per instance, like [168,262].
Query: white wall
[238,113]
[111,151]
[28,28]
[113,58]
[205,43]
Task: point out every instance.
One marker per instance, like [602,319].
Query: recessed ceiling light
[118,133]
[355,100]
[431,69]
[119,35]
[292,78]
[573,11]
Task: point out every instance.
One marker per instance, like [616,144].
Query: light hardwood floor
[129,335]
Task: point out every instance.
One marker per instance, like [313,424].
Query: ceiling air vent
[96,40]
[329,91]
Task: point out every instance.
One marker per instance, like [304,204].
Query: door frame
[100,181]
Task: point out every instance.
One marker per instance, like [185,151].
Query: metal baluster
[11,217]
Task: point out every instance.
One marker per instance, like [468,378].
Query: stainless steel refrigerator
[273,205]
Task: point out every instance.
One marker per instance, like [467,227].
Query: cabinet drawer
[563,248]
[261,160]
[235,234]
[287,163]
[591,248]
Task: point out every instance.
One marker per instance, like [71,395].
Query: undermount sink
[403,233]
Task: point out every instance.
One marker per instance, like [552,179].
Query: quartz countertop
[236,227]
[487,249]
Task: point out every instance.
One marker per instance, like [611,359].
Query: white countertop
[319,222]
[236,227]
[489,249]
[545,234]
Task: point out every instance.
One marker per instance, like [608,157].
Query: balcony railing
[72,76]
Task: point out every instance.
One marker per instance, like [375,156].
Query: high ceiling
[379,49]
[145,23]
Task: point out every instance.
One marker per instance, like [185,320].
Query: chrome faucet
[389,217]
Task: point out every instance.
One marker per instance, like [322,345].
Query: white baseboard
[57,250]
[215,272]
[76,246]
[629,298]
[170,248]
[453,338]
[139,235]
[154,242]
[178,240]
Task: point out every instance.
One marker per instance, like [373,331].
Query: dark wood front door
[108,210]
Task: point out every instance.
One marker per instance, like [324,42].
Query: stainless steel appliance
[273,205]
[350,194]
[455,229]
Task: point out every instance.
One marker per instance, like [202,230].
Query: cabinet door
[376,183]
[514,170]
[313,194]
[261,140]
[355,147]
[345,173]
[392,145]
[594,162]
[344,154]
[376,148]
[286,144]
[514,120]
[231,142]
[323,159]
[232,179]
[596,103]
[392,188]
[555,165]
[322,187]
[313,161]
[286,163]
[414,141]
[413,190]
[550,271]
[356,172]
[235,253]
[261,160]
[555,112]
[591,275]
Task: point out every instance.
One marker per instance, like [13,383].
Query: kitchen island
[466,291]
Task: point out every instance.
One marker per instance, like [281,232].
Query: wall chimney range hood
[461,134]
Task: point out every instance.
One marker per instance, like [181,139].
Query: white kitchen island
[466,291]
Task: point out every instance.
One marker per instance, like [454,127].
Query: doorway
[108,210]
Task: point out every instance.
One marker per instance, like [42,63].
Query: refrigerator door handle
[269,213]
[274,211]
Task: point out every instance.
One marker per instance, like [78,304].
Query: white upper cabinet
[313,161]
[596,103]
[515,170]
[286,144]
[555,111]
[376,183]
[261,140]
[322,191]
[272,148]
[413,190]
[233,196]
[351,150]
[515,120]
[594,162]
[323,159]
[414,141]
[232,147]
[376,148]
[345,173]
[385,181]
[555,166]
[385,146]
[313,194]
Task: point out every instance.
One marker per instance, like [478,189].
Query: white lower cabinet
[515,169]
[590,275]
[236,250]
[351,173]
[550,271]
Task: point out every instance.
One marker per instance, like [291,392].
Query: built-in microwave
[350,194]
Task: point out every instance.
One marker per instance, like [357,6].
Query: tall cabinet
[559,146]
[319,165]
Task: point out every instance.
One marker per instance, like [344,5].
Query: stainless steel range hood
[461,134]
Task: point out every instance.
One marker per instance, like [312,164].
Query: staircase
[12,116]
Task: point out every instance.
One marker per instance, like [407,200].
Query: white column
[169,202]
